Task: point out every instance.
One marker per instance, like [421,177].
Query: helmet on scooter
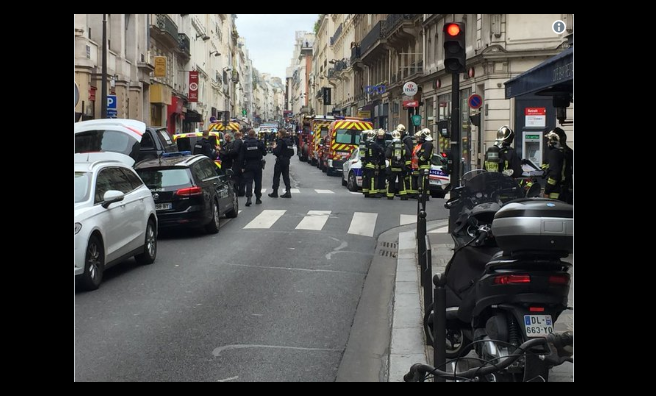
[505,135]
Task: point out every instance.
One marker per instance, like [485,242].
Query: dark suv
[189,191]
[155,141]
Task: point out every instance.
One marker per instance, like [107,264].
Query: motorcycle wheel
[457,343]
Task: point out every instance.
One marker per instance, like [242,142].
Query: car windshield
[81,186]
[347,136]
[106,140]
[438,160]
[164,178]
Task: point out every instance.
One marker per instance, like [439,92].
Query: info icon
[558,27]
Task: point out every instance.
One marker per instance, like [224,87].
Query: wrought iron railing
[371,38]
[166,24]
[335,36]
[355,53]
[185,43]
[394,20]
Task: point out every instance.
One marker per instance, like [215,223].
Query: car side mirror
[112,196]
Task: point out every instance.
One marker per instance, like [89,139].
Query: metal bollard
[421,240]
[439,324]
[426,278]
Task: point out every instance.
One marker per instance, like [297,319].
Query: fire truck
[320,125]
[305,139]
[343,137]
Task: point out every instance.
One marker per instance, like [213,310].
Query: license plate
[538,325]
[163,206]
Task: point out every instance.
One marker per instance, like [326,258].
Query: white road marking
[295,191]
[355,193]
[266,219]
[315,220]
[238,212]
[441,230]
[324,191]
[263,190]
[408,219]
[363,224]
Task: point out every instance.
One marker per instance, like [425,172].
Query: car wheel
[352,184]
[150,245]
[344,182]
[213,226]
[235,207]
[94,264]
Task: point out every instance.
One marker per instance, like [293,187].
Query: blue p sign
[111,101]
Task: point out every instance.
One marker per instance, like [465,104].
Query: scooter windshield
[481,186]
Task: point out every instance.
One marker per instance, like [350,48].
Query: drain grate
[387,253]
[389,245]
[387,249]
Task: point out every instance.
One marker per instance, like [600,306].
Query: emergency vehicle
[305,139]
[232,126]
[343,137]
[320,125]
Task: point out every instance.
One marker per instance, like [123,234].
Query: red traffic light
[452,29]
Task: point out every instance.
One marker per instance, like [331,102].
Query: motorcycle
[506,282]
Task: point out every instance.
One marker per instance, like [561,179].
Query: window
[81,186]
[159,179]
[132,178]
[347,136]
[119,181]
[208,168]
[165,136]
[147,142]
[103,184]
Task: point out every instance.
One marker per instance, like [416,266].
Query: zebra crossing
[361,223]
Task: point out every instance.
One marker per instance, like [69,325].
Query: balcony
[341,65]
[400,28]
[355,54]
[372,45]
[165,30]
[335,36]
[185,45]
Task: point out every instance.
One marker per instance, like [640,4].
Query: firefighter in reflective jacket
[559,169]
[381,175]
[396,155]
[424,155]
[501,157]
[370,166]
[409,144]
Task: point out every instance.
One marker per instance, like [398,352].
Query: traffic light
[325,91]
[448,168]
[454,47]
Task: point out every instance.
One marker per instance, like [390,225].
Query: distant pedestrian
[284,151]
[234,152]
[250,158]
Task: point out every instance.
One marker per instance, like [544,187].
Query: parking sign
[111,102]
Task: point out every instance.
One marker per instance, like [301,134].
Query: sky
[270,39]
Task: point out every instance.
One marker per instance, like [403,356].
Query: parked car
[352,171]
[438,181]
[129,137]
[189,191]
[114,216]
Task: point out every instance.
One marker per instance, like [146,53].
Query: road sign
[410,88]
[112,113]
[416,119]
[475,101]
[111,102]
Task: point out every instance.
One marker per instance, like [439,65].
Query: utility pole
[103,83]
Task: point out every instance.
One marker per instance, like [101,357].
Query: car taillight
[511,279]
[536,309]
[187,192]
[558,279]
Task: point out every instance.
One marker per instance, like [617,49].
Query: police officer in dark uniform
[205,147]
[250,158]
[284,151]
[501,157]
[234,152]
[224,153]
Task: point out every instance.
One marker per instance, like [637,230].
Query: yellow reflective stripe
[551,181]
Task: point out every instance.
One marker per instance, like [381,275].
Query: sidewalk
[408,344]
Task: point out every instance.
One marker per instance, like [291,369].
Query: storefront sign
[160,66]
[410,103]
[535,116]
[364,113]
[410,88]
[193,86]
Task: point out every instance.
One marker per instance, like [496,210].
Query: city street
[271,297]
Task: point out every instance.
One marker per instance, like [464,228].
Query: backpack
[252,150]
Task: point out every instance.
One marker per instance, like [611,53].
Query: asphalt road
[247,304]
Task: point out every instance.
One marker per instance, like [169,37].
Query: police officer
[234,152]
[424,155]
[224,153]
[559,171]
[205,147]
[396,155]
[284,151]
[501,157]
[250,158]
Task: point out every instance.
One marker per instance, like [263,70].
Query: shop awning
[193,116]
[552,77]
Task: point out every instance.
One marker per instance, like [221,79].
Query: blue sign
[112,113]
[111,102]
[475,101]
[416,120]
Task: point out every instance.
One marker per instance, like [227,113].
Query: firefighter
[396,154]
[369,160]
[501,157]
[414,164]
[409,143]
[424,155]
[381,174]
[250,158]
[559,170]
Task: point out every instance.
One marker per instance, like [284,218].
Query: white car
[352,171]
[438,181]
[114,216]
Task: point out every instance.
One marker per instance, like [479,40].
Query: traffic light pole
[456,142]
[103,83]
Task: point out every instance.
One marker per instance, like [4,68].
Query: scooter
[506,282]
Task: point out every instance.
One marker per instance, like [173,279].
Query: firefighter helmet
[552,139]
[371,135]
[400,128]
[505,135]
[396,135]
[427,135]
[381,133]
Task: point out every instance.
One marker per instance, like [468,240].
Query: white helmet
[371,135]
[381,133]
[426,133]
[400,128]
[396,135]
